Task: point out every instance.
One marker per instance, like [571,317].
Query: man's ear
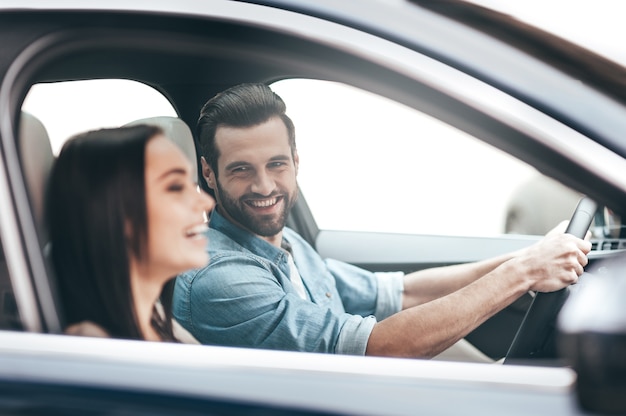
[207,173]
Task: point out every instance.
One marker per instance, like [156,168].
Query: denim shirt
[244,296]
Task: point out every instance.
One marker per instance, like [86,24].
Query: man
[265,287]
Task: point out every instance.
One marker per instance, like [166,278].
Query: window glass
[67,108]
[370,164]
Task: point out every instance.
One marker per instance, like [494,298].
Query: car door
[441,70]
[485,93]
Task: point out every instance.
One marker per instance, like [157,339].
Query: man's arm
[429,328]
[429,284]
[239,301]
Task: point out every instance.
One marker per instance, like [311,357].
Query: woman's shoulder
[90,329]
[179,332]
[86,329]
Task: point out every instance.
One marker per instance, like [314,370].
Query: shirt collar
[246,239]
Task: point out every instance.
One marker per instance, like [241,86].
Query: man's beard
[262,225]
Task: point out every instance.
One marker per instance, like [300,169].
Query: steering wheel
[535,338]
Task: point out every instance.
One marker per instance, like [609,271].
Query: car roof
[451,31]
[387,19]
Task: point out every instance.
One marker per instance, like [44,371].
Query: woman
[125,217]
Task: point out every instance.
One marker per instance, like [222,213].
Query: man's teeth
[197,230]
[264,203]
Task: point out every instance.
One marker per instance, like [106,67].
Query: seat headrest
[179,132]
[36,157]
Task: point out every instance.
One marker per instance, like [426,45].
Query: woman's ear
[207,173]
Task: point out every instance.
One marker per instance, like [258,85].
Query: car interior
[192,61]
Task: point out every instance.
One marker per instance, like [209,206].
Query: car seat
[37,159]
[179,132]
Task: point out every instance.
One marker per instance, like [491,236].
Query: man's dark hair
[244,105]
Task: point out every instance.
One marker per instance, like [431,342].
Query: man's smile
[264,203]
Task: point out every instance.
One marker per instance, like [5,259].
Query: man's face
[257,176]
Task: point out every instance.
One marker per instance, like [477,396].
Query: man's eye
[277,164]
[241,169]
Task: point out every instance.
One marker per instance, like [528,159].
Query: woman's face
[175,209]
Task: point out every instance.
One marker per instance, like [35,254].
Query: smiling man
[265,287]
[257,185]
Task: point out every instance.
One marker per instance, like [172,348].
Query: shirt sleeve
[390,289]
[272,318]
[365,293]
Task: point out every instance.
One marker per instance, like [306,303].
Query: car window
[371,164]
[67,108]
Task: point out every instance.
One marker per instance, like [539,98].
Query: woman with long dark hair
[125,217]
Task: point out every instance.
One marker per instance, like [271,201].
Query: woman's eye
[176,187]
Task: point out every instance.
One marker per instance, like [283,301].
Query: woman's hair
[97,218]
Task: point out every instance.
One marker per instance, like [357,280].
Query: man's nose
[263,183]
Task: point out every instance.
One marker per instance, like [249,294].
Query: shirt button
[328,294]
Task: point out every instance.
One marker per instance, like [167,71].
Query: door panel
[410,252]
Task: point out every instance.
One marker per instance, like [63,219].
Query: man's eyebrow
[240,163]
[236,164]
[280,157]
